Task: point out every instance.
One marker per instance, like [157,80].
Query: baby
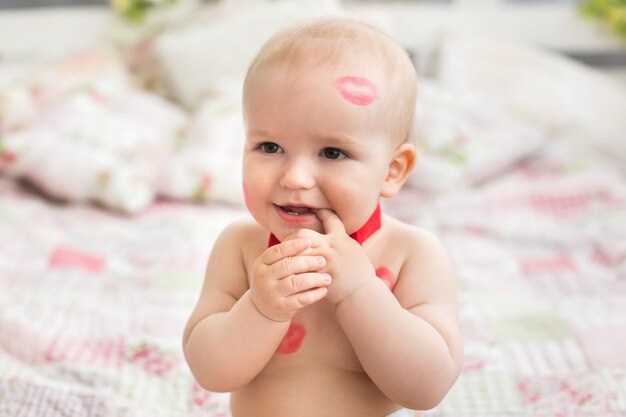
[323,306]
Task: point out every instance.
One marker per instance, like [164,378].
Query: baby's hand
[284,280]
[347,262]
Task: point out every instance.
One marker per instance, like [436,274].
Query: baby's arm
[408,341]
[419,354]
[228,339]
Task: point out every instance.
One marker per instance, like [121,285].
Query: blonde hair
[331,40]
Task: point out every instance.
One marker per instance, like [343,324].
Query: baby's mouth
[297,210]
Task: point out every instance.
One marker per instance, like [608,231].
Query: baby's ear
[399,169]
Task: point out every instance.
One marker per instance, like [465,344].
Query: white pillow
[464,140]
[93,142]
[196,59]
[571,100]
[208,165]
[23,97]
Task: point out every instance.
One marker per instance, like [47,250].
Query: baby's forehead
[362,64]
[313,71]
[330,42]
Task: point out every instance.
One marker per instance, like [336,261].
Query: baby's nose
[298,174]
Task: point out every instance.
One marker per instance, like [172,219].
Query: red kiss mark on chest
[292,340]
[387,276]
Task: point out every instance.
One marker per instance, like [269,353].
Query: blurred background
[567,26]
[120,163]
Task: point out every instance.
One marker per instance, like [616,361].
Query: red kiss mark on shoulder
[387,276]
[293,339]
[357,90]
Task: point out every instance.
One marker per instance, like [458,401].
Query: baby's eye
[333,153]
[270,147]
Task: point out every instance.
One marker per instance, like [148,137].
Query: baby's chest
[316,338]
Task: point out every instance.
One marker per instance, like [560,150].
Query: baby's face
[314,140]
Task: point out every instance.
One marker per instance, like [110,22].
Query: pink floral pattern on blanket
[92,305]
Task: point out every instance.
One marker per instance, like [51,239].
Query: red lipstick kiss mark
[292,340]
[357,90]
[386,276]
[246,196]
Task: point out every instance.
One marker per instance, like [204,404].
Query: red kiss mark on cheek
[292,340]
[387,276]
[246,196]
[357,90]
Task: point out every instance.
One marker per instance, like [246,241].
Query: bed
[524,184]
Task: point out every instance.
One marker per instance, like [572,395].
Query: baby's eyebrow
[340,141]
[259,133]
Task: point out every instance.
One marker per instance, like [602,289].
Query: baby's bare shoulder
[241,234]
[426,271]
[242,229]
[238,245]
[409,237]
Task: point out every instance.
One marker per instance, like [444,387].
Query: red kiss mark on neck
[292,340]
[357,90]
